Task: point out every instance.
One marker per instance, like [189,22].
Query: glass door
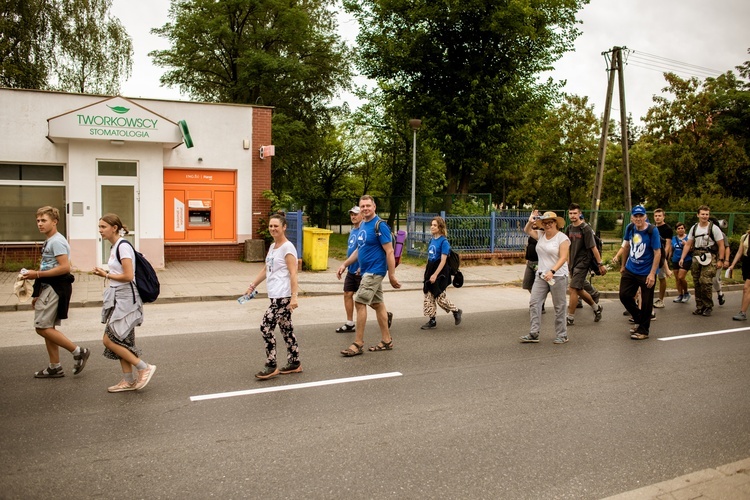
[118,196]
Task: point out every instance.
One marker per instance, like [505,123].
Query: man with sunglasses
[642,245]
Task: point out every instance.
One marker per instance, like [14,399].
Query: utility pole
[613,64]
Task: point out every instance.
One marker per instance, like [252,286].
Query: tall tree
[94,52]
[26,42]
[468,68]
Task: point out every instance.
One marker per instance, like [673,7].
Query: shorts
[370,290]
[45,309]
[685,265]
[529,275]
[661,273]
[578,277]
[351,282]
[745,267]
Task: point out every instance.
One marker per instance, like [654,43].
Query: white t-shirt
[115,267]
[699,236]
[278,284]
[549,252]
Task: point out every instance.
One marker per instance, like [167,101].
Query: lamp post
[414,123]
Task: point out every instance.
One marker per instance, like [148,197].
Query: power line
[664,64]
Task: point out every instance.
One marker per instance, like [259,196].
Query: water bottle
[551,281]
[247,297]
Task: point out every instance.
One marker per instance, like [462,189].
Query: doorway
[117,184]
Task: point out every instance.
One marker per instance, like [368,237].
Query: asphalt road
[474,414]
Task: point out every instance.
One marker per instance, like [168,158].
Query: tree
[94,52]
[467,68]
[25,43]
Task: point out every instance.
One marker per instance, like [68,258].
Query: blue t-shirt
[54,246]
[370,248]
[642,246]
[351,246]
[677,245]
[438,247]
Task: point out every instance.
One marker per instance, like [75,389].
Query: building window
[23,189]
[118,168]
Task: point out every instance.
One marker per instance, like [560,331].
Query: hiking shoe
[80,360]
[560,340]
[639,336]
[390,319]
[50,373]
[122,386]
[345,328]
[457,316]
[267,372]
[678,299]
[144,377]
[686,298]
[529,339]
[659,304]
[707,311]
[430,324]
[740,316]
[698,312]
[721,299]
[598,314]
[569,320]
[291,368]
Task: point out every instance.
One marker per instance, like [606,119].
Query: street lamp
[414,124]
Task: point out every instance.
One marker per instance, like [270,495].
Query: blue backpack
[146,280]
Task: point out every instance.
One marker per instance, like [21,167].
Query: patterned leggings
[431,302]
[279,313]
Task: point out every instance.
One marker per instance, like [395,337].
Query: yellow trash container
[315,248]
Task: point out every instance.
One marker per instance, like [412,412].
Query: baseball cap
[354,210]
[638,210]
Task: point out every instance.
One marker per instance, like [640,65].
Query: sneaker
[639,336]
[698,312]
[570,320]
[560,340]
[457,316]
[740,316]
[267,372]
[707,311]
[598,314]
[721,299]
[50,373]
[80,360]
[686,298]
[291,368]
[390,319]
[659,304]
[429,325]
[530,339]
[122,386]
[580,304]
[678,299]
[144,376]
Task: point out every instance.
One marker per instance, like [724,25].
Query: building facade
[186,178]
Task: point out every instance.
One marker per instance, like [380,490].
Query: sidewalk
[226,280]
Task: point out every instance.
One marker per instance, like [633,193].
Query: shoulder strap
[377,226]
[117,249]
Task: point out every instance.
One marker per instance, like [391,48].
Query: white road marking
[704,334]
[294,386]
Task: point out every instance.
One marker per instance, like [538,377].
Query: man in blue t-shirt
[375,256]
[642,245]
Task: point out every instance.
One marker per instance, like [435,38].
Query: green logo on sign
[120,110]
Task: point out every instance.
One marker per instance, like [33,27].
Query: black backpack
[714,248]
[146,280]
[454,263]
[593,263]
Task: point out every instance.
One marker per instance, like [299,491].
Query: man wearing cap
[642,245]
[707,243]
[353,277]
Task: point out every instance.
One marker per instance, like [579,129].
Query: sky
[690,37]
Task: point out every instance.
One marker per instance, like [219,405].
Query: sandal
[345,328]
[382,346]
[349,352]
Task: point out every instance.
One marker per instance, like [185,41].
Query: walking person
[666,234]
[437,276]
[643,247]
[122,308]
[53,286]
[707,243]
[681,270]
[375,256]
[744,256]
[280,273]
[582,251]
[723,258]
[532,264]
[353,276]
[552,248]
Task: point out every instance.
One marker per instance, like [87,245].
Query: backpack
[454,263]
[146,280]
[593,263]
[649,231]
[400,238]
[714,248]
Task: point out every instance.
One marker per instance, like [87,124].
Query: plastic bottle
[247,297]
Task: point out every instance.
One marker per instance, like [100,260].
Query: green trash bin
[315,248]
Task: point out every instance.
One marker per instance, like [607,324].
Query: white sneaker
[144,376]
[659,304]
